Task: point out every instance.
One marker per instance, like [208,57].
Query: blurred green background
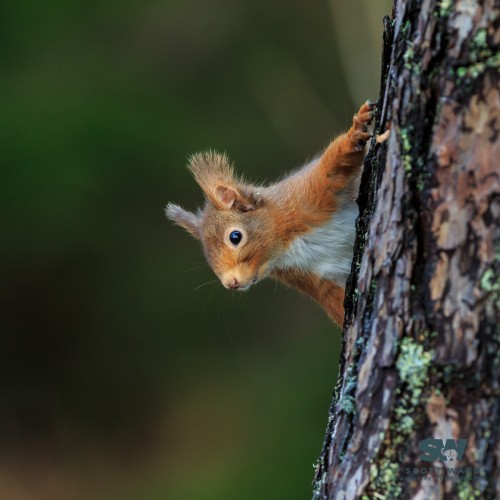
[121,377]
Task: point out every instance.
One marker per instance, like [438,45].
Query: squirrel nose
[233,284]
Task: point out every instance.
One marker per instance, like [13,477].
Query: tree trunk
[420,357]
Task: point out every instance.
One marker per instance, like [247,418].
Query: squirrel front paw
[358,133]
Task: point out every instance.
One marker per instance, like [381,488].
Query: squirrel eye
[235,237]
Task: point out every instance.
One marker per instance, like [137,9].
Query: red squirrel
[299,230]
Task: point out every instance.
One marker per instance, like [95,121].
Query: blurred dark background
[121,377]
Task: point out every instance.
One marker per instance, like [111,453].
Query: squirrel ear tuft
[210,169]
[187,220]
[215,176]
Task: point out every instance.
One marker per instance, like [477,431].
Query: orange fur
[309,197]
[274,218]
[329,294]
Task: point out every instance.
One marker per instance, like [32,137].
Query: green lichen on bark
[413,366]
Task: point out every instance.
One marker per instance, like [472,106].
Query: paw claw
[364,116]
[360,123]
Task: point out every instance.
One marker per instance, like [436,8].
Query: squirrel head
[235,227]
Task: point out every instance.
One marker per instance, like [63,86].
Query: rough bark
[421,338]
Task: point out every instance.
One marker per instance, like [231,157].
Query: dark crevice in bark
[372,172]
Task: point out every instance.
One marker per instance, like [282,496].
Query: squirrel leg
[343,158]
[329,294]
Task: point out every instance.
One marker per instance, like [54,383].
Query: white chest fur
[326,251]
